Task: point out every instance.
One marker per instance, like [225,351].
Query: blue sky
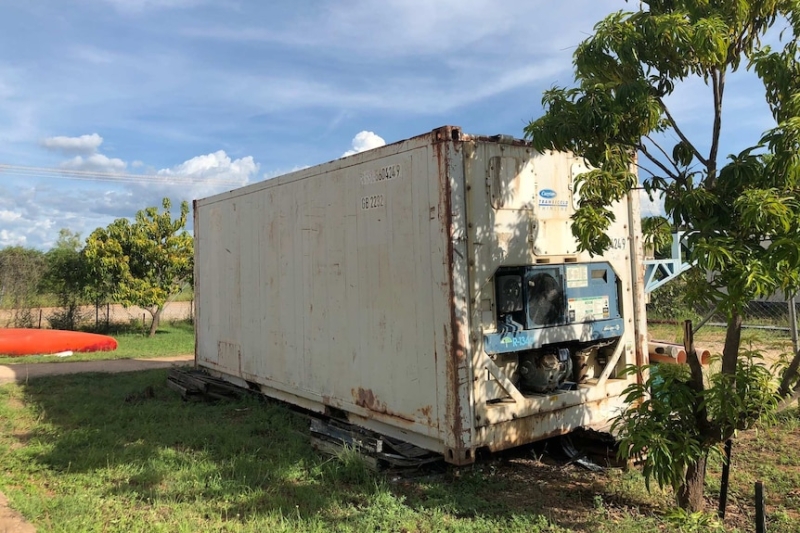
[245,90]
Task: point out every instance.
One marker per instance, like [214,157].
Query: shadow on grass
[137,441]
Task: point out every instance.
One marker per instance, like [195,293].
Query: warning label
[588,308]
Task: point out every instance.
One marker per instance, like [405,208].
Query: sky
[229,93]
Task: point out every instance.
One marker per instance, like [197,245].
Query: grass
[124,453]
[175,338]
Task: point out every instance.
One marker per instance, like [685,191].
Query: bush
[668,302]
[68,317]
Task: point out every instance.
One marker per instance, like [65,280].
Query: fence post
[761,519]
[40,318]
[723,486]
[793,321]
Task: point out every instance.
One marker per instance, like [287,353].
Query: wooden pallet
[196,384]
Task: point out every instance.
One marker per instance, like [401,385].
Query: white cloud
[88,158]
[217,165]
[364,140]
[9,216]
[95,162]
[651,208]
[213,173]
[85,144]
[10,238]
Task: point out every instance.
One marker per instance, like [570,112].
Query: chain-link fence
[770,326]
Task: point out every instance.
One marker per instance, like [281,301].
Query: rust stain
[425,413]
[520,431]
[455,352]
[366,398]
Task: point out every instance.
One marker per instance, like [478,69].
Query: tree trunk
[733,340]
[156,320]
[690,494]
[789,375]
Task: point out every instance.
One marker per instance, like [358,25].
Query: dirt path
[10,520]
[22,371]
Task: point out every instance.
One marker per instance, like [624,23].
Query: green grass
[171,339]
[124,453]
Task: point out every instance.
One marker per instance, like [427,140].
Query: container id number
[619,243]
[373,201]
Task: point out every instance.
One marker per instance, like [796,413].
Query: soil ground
[11,521]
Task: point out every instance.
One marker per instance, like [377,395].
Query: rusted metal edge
[195,287]
[459,452]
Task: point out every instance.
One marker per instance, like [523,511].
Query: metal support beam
[658,272]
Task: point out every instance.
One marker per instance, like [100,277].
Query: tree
[67,277]
[742,215]
[20,271]
[146,262]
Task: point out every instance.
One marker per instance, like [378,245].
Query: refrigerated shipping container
[429,290]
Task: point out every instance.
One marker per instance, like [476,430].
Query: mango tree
[741,213]
[146,262]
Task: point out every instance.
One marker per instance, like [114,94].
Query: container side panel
[333,287]
[219,314]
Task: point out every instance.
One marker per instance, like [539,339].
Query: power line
[64,173]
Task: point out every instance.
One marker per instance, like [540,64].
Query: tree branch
[664,152]
[786,402]
[718,85]
[790,373]
[696,382]
[683,137]
[642,148]
[653,174]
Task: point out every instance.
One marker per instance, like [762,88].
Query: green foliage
[662,423]
[145,262]
[66,277]
[657,233]
[737,401]
[21,270]
[698,522]
[741,216]
[670,300]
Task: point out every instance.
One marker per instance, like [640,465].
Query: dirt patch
[15,403]
[24,372]
[11,521]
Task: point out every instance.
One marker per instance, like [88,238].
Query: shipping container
[429,290]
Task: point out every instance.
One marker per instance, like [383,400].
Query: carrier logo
[548,193]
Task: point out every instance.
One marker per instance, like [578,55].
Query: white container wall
[428,290]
